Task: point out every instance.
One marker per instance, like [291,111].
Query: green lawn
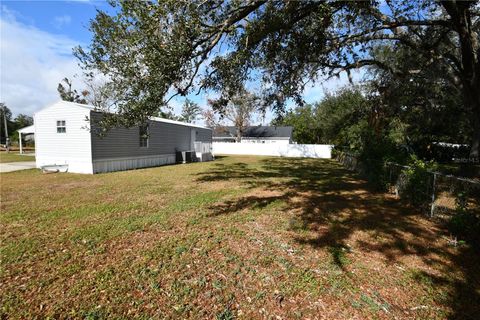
[15,157]
[240,237]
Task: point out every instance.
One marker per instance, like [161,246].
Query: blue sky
[37,38]
[68,18]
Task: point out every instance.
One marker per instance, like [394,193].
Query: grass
[240,237]
[14,157]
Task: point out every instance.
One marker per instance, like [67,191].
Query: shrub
[465,224]
[375,153]
[419,180]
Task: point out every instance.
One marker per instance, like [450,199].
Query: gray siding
[204,135]
[164,138]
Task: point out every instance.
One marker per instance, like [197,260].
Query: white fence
[273,149]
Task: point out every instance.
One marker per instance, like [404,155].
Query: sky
[37,38]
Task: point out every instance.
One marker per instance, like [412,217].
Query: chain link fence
[450,199]
[437,194]
[348,160]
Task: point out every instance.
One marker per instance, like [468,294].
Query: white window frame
[62,126]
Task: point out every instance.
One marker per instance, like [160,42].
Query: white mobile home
[65,134]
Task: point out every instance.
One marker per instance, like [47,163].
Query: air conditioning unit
[185,156]
[204,156]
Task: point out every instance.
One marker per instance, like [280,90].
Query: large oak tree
[155,50]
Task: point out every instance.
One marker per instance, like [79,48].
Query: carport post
[20,142]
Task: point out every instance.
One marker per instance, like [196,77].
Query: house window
[61,127]
[144,136]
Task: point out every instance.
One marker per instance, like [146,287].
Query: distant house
[26,134]
[66,135]
[255,134]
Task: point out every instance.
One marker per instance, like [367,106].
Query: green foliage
[461,202]
[306,128]
[146,48]
[226,314]
[19,122]
[349,120]
[340,119]
[68,94]
[140,221]
[343,118]
[5,112]
[5,116]
[373,156]
[156,49]
[190,111]
[465,223]
[168,114]
[422,103]
[419,181]
[339,255]
[23,121]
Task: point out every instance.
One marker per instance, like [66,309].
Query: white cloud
[32,63]
[61,21]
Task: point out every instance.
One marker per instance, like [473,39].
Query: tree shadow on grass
[249,202]
[334,203]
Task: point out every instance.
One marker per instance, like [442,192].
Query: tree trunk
[475,140]
[239,134]
[459,12]
[471,93]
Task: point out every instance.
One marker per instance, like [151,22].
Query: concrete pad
[15,166]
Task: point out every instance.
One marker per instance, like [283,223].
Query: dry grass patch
[241,237]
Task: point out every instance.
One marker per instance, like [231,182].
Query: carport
[24,131]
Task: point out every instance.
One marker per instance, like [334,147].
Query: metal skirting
[110,165]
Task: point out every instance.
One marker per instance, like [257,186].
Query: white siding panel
[204,135]
[72,147]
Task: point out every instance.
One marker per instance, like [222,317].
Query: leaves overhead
[68,94]
[153,51]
